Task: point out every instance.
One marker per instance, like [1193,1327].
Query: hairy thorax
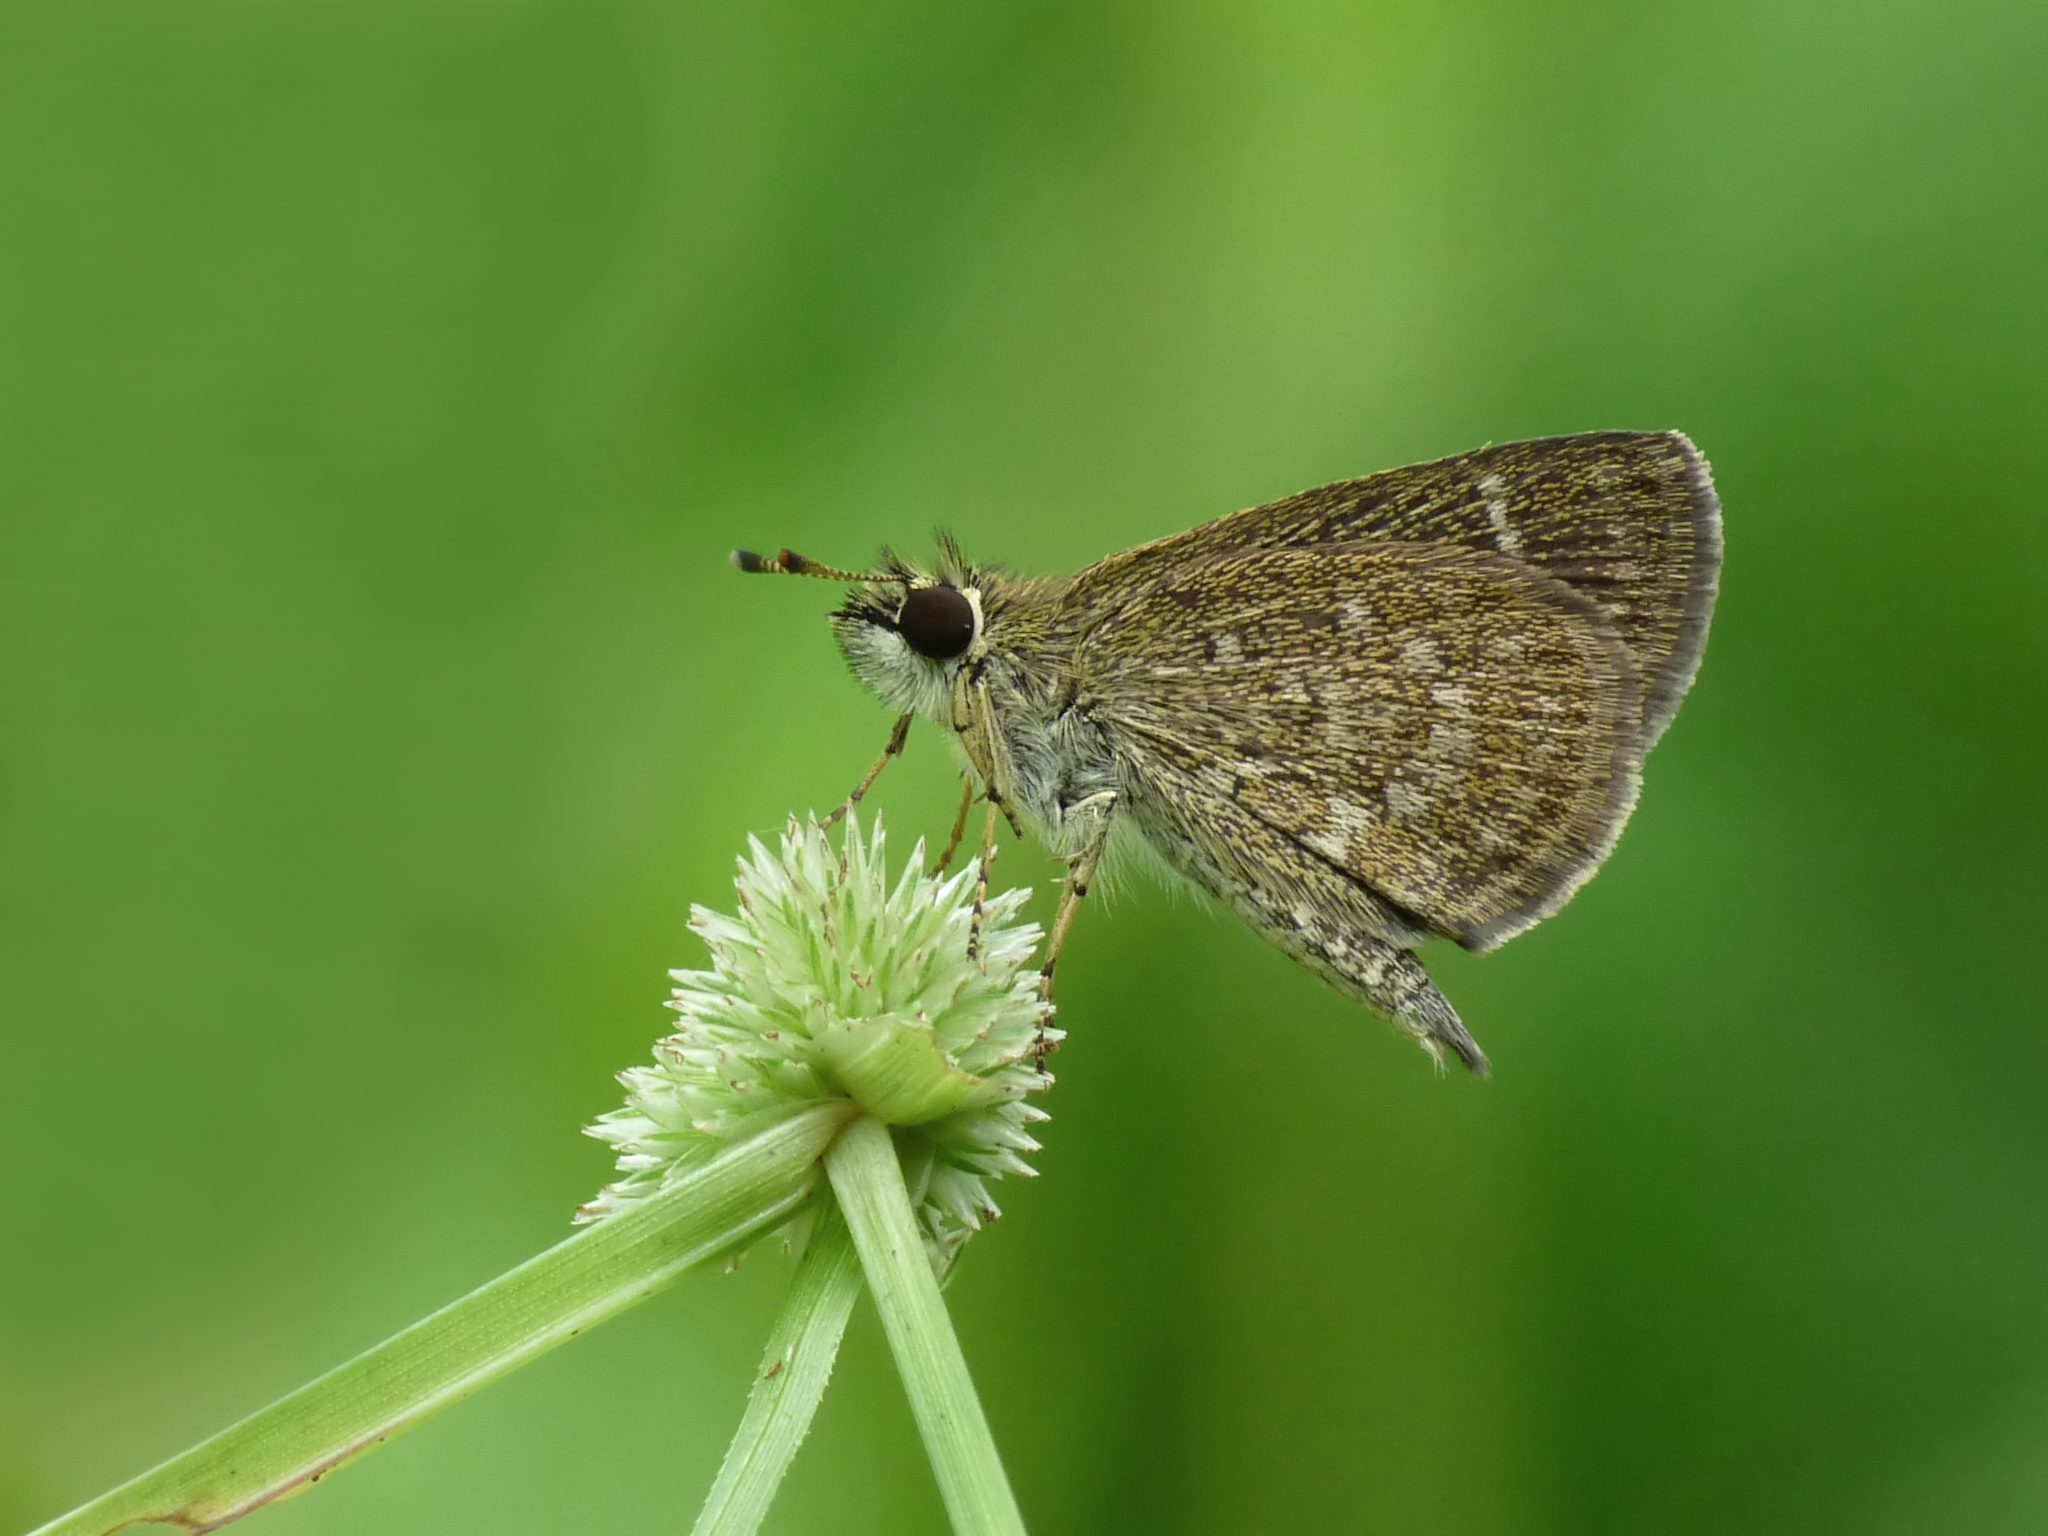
[1054,761]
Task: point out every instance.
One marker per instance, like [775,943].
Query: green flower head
[829,981]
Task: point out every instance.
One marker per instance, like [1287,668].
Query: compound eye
[937,622]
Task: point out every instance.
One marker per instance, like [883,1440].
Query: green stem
[794,1370]
[868,1180]
[493,1330]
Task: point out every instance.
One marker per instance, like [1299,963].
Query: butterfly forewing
[1627,519]
[1443,726]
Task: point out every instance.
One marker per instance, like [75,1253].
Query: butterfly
[1405,707]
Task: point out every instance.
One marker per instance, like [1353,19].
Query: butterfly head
[906,631]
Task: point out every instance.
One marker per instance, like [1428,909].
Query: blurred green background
[381,386]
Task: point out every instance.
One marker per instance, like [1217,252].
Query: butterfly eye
[937,622]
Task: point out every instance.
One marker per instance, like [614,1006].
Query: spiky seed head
[829,980]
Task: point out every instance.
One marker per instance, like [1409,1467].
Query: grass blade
[794,1370]
[868,1180]
[471,1342]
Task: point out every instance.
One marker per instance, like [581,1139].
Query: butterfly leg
[986,865]
[959,828]
[1097,815]
[898,734]
[974,723]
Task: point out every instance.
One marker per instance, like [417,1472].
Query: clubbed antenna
[789,563]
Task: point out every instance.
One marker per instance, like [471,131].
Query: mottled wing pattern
[1627,519]
[1444,729]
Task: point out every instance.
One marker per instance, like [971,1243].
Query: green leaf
[868,1180]
[794,1370]
[493,1330]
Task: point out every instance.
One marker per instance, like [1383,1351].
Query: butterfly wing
[1441,737]
[1629,520]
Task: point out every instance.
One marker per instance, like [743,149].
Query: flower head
[829,981]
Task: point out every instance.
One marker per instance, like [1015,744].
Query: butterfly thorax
[1010,698]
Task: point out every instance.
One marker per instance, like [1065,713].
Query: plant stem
[471,1342]
[868,1180]
[794,1370]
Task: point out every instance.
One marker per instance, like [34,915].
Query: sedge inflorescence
[832,981]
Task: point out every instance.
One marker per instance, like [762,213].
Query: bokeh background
[381,386]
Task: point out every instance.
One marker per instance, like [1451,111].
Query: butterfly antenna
[789,563]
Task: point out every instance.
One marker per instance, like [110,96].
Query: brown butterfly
[1410,706]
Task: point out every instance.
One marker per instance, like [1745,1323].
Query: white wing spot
[1343,841]
[1354,616]
[1422,656]
[1353,820]
[1452,696]
[1453,742]
[1407,804]
[1226,646]
[1330,845]
[1505,538]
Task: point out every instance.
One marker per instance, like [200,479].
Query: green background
[381,386]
